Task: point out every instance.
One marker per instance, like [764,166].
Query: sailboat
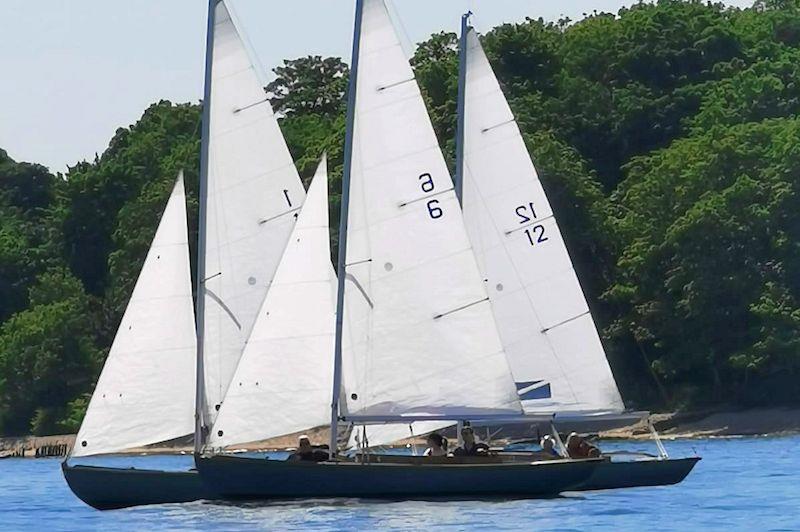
[145,393]
[414,340]
[250,197]
[553,347]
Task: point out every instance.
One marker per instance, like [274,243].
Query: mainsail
[145,393]
[423,340]
[283,382]
[253,196]
[544,321]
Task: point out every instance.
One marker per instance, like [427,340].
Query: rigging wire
[473,9]
[255,62]
[405,40]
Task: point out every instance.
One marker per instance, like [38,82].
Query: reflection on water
[741,483]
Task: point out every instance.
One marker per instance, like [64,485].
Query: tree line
[666,137]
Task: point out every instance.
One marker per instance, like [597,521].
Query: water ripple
[740,484]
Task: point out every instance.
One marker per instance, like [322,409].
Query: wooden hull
[107,488]
[253,479]
[639,473]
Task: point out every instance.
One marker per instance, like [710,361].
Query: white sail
[547,331]
[254,195]
[145,393]
[423,340]
[283,382]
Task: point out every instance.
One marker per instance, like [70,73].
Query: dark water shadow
[341,502]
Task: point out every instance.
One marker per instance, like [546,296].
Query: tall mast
[345,205]
[462,95]
[199,424]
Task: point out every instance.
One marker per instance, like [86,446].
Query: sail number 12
[535,234]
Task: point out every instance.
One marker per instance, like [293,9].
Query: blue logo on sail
[530,390]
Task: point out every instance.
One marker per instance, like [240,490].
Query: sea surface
[741,484]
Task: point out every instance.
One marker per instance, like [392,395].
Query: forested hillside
[668,140]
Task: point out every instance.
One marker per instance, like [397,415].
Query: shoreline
[760,422]
[714,424]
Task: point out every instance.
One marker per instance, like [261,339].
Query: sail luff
[462,75]
[341,267]
[200,407]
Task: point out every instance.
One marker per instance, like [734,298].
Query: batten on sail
[283,381]
[423,340]
[544,321]
[145,393]
[253,196]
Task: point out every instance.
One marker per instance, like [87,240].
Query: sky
[73,71]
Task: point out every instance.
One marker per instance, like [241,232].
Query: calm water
[748,483]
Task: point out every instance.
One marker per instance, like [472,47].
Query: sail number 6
[427,186]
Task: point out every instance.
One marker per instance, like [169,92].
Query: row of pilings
[32,447]
[45,451]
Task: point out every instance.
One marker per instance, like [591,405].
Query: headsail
[253,196]
[283,381]
[423,341]
[544,321]
[145,393]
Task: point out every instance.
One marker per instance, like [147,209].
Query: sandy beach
[753,422]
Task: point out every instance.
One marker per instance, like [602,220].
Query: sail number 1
[535,233]
[427,186]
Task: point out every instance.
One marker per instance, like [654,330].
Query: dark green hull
[229,477]
[254,479]
[107,488]
[640,473]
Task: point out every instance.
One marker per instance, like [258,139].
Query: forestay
[145,393]
[547,331]
[423,338]
[283,382]
[254,195]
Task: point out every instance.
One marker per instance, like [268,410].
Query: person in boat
[577,447]
[470,447]
[437,445]
[549,447]
[306,453]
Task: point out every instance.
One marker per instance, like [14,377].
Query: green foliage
[70,251]
[310,93]
[309,85]
[156,147]
[665,137]
[29,238]
[70,421]
[436,68]
[708,270]
[47,354]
